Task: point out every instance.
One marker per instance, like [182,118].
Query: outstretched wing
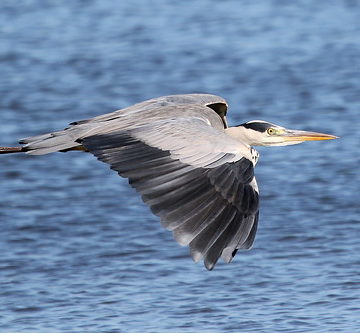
[196,178]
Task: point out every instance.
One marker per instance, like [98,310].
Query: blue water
[79,250]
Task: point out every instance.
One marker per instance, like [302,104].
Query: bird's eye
[271,131]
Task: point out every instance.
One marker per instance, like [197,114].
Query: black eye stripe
[257,126]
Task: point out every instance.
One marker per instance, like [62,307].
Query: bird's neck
[242,134]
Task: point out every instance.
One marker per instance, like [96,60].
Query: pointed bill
[294,135]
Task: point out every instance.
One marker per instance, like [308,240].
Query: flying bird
[195,172]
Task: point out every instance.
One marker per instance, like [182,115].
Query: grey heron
[195,172]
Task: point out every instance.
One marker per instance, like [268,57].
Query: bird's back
[161,108]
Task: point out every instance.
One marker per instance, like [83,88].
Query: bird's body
[193,171]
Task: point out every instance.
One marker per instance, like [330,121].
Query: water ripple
[80,252]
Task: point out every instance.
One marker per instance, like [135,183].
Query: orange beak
[293,135]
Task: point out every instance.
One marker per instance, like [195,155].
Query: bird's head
[263,133]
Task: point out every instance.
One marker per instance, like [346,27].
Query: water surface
[81,253]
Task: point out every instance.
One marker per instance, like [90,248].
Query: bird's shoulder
[208,106]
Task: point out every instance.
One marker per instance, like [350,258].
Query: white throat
[244,135]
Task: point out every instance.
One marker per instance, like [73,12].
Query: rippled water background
[79,250]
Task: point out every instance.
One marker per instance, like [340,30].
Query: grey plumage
[195,172]
[176,154]
[136,115]
[205,207]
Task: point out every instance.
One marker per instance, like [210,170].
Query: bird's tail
[10,150]
[48,143]
[43,144]
[63,140]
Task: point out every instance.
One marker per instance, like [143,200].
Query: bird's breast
[254,156]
